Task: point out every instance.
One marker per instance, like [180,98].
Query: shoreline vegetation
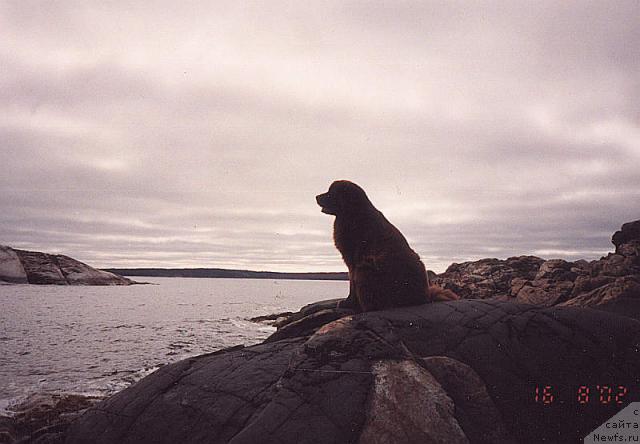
[227,273]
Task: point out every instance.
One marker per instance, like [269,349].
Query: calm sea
[98,340]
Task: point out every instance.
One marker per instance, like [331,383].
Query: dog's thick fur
[384,271]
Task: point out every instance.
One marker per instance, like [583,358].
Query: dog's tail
[435,293]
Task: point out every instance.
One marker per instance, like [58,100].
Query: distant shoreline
[226,273]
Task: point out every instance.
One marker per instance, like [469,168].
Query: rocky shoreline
[43,417]
[532,280]
[610,283]
[463,371]
[34,267]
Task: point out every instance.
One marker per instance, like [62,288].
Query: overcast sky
[197,134]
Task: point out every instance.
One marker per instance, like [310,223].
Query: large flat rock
[366,378]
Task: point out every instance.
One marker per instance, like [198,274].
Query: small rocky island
[536,351]
[33,267]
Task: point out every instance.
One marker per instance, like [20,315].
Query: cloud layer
[199,134]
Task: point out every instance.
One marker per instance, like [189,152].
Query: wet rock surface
[43,418]
[33,267]
[363,377]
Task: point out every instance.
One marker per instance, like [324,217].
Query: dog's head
[343,197]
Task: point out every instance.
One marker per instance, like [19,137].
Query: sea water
[98,340]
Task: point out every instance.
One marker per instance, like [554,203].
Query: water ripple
[98,340]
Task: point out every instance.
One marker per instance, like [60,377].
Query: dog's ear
[349,196]
[344,197]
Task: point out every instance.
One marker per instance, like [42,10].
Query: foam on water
[99,340]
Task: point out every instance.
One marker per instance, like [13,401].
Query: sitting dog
[384,271]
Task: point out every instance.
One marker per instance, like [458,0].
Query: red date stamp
[585,394]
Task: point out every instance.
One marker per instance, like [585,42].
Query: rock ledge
[32,267]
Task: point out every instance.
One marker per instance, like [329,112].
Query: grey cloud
[97,85]
[199,136]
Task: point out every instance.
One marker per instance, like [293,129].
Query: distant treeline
[222,273]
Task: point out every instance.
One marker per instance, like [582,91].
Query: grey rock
[33,267]
[11,269]
[489,278]
[628,233]
[329,387]
[408,405]
[552,284]
[616,291]
[532,280]
[474,408]
[43,418]
[307,325]
[78,273]
[41,268]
